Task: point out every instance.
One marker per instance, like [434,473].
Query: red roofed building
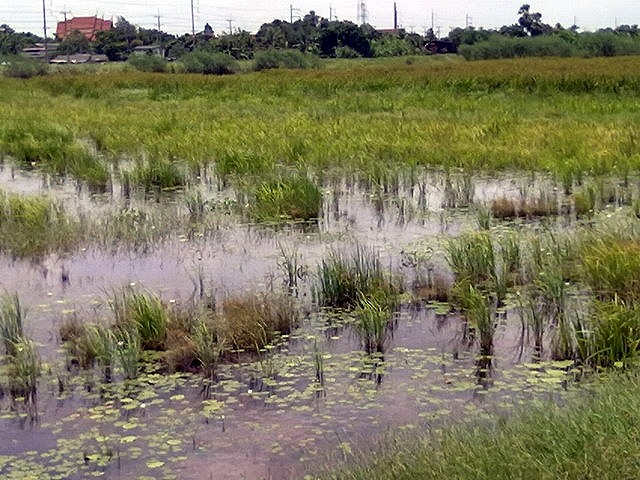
[88,26]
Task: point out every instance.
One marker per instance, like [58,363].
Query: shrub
[148,63]
[24,67]
[346,52]
[210,63]
[268,59]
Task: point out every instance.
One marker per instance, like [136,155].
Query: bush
[24,67]
[346,52]
[597,44]
[209,63]
[293,59]
[148,63]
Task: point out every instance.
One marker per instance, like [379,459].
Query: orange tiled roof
[88,26]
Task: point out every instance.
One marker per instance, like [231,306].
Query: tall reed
[479,312]
[11,322]
[24,368]
[373,323]
[343,276]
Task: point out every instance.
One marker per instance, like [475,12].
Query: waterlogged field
[256,276]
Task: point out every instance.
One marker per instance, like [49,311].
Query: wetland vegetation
[273,265]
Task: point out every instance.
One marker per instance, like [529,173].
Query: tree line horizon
[317,35]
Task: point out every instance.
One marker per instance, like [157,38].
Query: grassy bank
[366,117]
[593,436]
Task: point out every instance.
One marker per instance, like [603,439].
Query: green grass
[289,198]
[144,313]
[343,277]
[373,323]
[353,116]
[32,226]
[593,436]
[11,322]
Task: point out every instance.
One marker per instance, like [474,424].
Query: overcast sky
[175,15]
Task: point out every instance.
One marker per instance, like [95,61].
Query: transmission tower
[362,12]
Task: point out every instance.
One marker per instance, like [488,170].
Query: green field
[267,243]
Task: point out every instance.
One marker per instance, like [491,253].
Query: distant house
[79,58]
[88,26]
[149,50]
[40,50]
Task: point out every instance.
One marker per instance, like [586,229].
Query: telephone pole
[291,10]
[468,21]
[395,17]
[193,22]
[64,12]
[230,29]
[44,29]
[362,12]
[158,16]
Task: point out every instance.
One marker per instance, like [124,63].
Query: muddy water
[267,418]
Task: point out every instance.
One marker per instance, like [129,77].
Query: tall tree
[532,21]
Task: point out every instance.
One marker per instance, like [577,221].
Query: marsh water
[267,416]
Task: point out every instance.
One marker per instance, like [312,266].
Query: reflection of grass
[528,443]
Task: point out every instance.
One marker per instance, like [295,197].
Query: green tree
[75,42]
[118,42]
[343,35]
[531,22]
[12,43]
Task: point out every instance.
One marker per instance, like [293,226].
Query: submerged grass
[598,440]
[32,226]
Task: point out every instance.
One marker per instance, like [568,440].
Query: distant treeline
[567,43]
[316,35]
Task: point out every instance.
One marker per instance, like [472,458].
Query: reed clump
[373,322]
[252,321]
[342,277]
[11,322]
[289,198]
[144,313]
[32,226]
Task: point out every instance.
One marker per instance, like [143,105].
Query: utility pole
[158,16]
[230,29]
[432,21]
[330,13]
[468,21]
[291,11]
[64,12]
[193,22]
[362,12]
[44,29]
[395,17]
